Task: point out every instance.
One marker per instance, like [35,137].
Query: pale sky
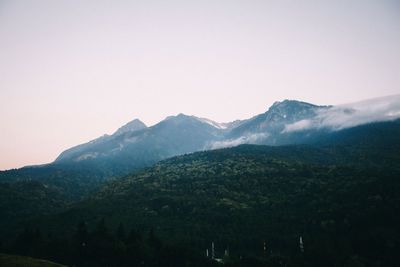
[71,71]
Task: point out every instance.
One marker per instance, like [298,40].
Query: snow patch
[217,125]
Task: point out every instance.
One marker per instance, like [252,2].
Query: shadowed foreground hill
[20,261]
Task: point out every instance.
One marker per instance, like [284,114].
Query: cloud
[247,139]
[350,115]
[298,126]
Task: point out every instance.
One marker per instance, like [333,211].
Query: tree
[121,236]
[82,234]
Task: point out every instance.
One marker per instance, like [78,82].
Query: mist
[350,115]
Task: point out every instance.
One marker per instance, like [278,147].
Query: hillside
[337,198]
[24,200]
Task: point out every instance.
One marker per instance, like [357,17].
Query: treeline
[102,246]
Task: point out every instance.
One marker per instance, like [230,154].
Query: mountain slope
[80,152]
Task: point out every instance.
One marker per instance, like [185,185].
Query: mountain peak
[178,117]
[132,126]
[289,108]
[181,115]
[290,103]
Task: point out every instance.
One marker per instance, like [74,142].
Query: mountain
[181,134]
[131,148]
[278,115]
[80,152]
[268,128]
[342,197]
[296,122]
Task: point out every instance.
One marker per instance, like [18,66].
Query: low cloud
[298,126]
[350,115]
[247,139]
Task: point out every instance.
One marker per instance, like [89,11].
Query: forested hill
[345,206]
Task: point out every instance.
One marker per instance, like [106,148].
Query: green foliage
[21,201]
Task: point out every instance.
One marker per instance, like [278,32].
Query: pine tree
[82,234]
[153,240]
[121,236]
[101,228]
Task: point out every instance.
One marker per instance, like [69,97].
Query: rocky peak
[131,126]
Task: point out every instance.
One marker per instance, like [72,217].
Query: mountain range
[286,122]
[326,173]
[133,146]
[185,134]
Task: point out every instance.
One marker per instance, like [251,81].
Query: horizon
[72,72]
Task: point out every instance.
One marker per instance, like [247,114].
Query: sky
[71,71]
